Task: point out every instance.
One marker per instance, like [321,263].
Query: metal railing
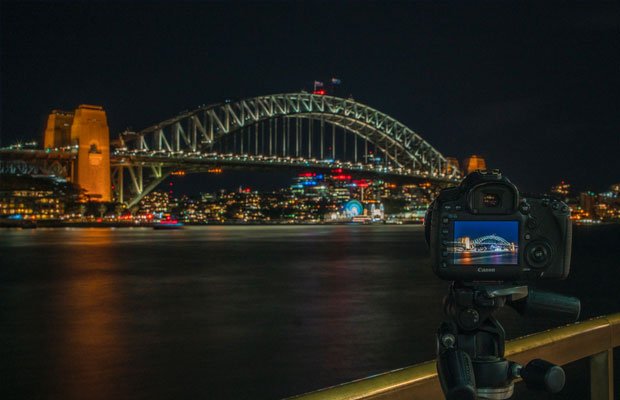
[595,338]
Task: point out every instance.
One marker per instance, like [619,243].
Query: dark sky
[533,88]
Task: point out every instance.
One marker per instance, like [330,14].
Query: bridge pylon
[86,128]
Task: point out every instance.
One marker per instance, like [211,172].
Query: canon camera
[482,230]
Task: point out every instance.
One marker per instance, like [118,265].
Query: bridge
[489,243]
[291,130]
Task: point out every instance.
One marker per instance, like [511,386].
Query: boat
[168,223]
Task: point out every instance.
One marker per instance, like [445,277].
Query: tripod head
[470,343]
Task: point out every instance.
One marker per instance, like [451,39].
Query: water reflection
[92,353]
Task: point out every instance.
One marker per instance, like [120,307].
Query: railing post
[602,375]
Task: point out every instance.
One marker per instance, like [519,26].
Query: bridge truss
[288,130]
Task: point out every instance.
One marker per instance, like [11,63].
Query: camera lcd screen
[485,243]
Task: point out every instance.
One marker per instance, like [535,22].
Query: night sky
[535,89]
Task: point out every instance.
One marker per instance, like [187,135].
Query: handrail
[594,338]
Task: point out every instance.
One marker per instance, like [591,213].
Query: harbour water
[236,311]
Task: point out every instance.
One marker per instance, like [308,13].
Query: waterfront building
[35,198]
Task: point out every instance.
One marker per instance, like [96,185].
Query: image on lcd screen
[485,243]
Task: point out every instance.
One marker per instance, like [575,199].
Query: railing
[595,339]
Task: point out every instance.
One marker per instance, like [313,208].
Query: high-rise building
[587,200]
[474,163]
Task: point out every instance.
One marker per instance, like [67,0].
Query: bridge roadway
[199,162]
[161,164]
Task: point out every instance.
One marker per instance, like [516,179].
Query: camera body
[482,231]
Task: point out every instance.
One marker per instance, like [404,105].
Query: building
[561,190]
[26,197]
[587,201]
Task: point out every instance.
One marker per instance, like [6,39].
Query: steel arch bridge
[491,239]
[282,130]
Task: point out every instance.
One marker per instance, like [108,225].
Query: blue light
[309,183]
[16,216]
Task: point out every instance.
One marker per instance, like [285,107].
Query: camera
[482,230]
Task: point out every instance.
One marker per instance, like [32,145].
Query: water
[235,312]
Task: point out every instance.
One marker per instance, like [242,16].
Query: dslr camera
[482,230]
[491,242]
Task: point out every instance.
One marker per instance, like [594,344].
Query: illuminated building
[587,201]
[155,203]
[34,198]
[474,163]
[31,204]
[561,190]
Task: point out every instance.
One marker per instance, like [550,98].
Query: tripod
[470,343]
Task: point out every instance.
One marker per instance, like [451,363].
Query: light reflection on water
[219,312]
[92,336]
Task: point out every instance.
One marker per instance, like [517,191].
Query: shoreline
[58,224]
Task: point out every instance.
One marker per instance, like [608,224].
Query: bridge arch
[201,131]
[491,239]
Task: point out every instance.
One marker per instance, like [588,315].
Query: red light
[320,92]
[307,175]
[337,171]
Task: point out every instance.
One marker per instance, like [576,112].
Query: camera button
[458,208]
[524,208]
[555,205]
[447,207]
[444,220]
[444,264]
[527,236]
[531,223]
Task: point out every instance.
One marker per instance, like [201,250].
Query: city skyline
[500,104]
